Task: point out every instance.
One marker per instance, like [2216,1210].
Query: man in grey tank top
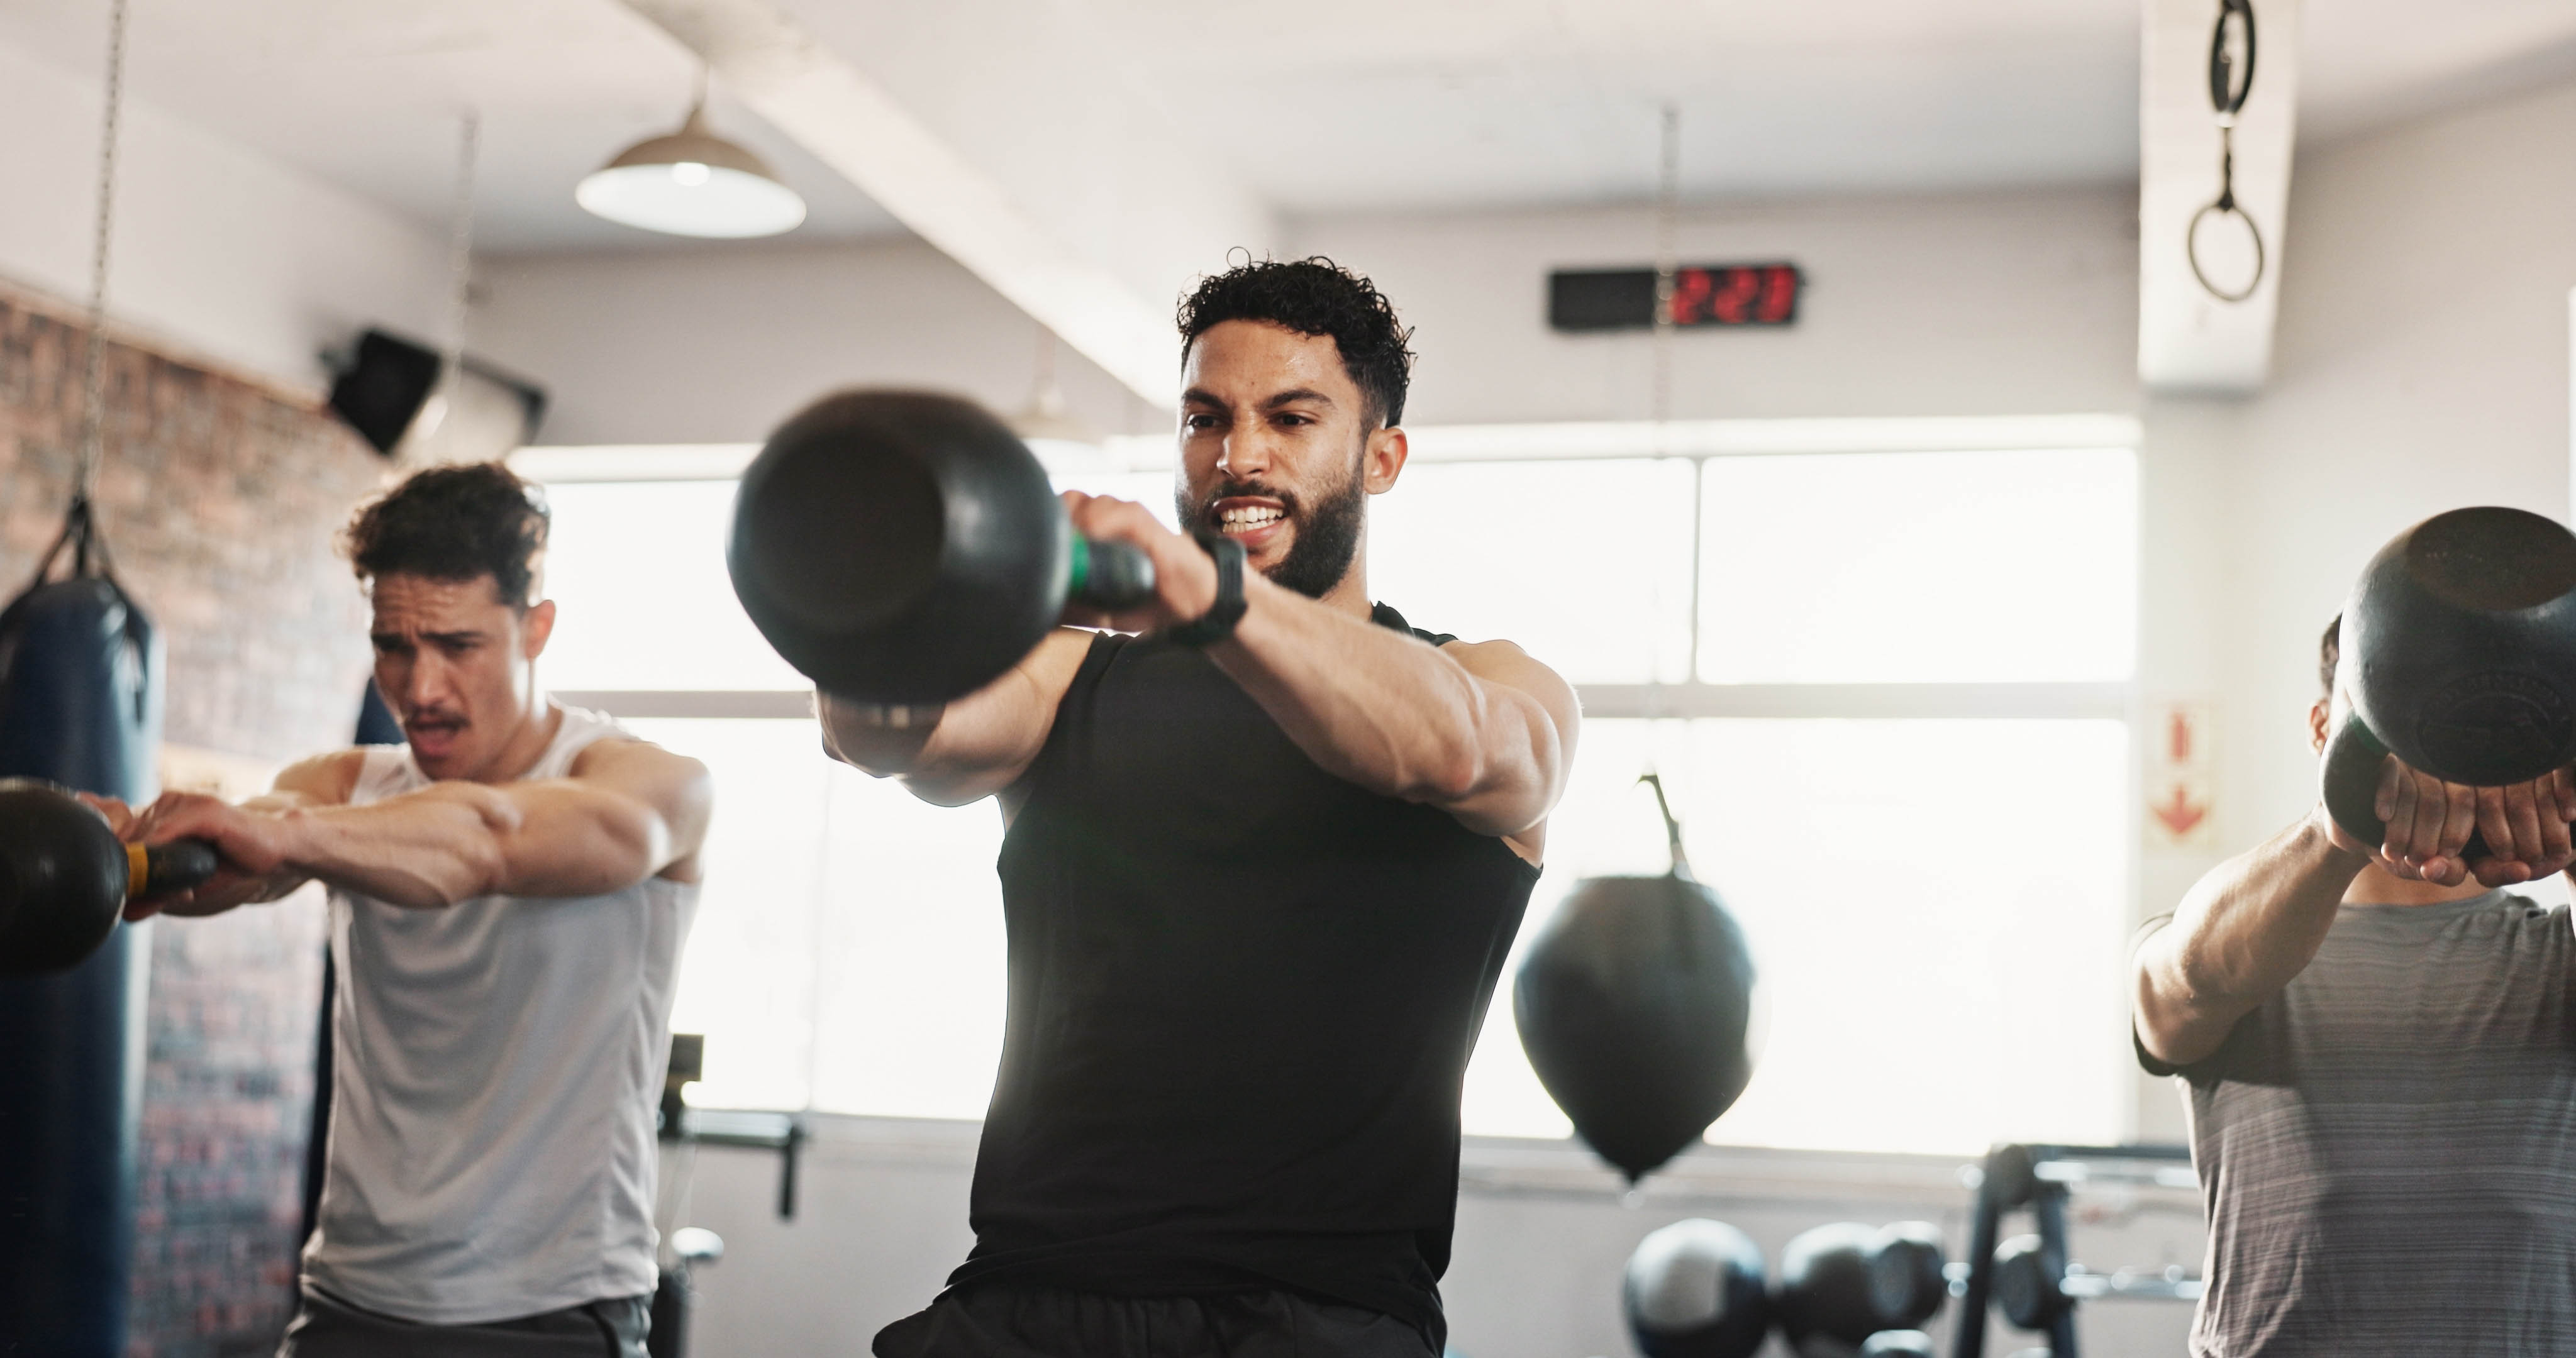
[509,891]
[2380,1070]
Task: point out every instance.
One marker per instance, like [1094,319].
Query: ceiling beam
[996,220]
[2188,339]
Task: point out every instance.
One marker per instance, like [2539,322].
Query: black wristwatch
[1218,622]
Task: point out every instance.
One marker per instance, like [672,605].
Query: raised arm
[2245,930]
[626,811]
[968,749]
[2255,922]
[323,780]
[1481,731]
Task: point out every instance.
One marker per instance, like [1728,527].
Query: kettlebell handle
[2350,783]
[161,869]
[1110,575]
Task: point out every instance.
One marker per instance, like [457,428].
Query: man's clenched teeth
[1249,518]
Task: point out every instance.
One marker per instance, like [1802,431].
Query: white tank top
[495,1070]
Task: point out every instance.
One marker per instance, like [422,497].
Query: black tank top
[1242,996]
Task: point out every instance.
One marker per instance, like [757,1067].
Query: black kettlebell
[2459,654]
[65,877]
[905,547]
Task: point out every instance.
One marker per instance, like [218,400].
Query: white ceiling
[368,94]
[1356,104]
[1443,104]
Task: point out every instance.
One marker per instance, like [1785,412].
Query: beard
[1327,531]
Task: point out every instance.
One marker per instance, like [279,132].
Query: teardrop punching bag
[80,705]
[1636,1006]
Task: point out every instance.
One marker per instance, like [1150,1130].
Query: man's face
[458,667]
[1278,451]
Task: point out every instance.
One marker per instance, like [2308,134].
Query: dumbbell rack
[2039,1178]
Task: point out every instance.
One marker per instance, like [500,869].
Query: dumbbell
[906,547]
[1696,1289]
[65,877]
[1849,1282]
[2459,653]
[2030,1283]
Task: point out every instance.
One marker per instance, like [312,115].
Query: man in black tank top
[1266,855]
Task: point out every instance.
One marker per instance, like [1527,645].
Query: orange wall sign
[2181,768]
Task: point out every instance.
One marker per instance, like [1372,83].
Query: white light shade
[1060,440]
[1046,421]
[692,183]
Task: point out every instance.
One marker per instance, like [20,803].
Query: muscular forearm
[2247,929]
[1390,714]
[452,842]
[965,750]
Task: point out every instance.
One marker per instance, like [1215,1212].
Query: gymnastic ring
[2191,250]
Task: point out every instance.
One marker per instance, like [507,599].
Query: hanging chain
[460,251]
[93,432]
[1668,192]
[2228,88]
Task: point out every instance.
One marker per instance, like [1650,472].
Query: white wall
[719,344]
[1999,303]
[1985,304]
[220,253]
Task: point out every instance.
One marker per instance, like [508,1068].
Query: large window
[1935,903]
[1886,691]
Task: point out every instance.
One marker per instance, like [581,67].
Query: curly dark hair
[455,523]
[1313,296]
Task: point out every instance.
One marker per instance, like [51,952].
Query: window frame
[1696,441]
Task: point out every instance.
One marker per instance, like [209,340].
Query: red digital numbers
[1691,288]
[1761,294]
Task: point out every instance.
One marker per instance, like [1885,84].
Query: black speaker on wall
[386,381]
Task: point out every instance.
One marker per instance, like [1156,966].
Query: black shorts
[998,1320]
[325,1326]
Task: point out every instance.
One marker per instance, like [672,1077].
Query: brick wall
[219,499]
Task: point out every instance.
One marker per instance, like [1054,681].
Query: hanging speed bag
[79,706]
[1636,1006]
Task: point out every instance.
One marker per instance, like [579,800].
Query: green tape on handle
[1110,575]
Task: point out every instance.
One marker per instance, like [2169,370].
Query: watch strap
[1218,622]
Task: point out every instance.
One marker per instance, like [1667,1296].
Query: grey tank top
[497,1063]
[2388,1147]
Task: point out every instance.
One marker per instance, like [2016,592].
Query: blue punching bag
[80,705]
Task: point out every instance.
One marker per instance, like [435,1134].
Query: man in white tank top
[509,892]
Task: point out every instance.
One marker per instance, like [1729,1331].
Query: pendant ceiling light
[1061,440]
[692,183]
